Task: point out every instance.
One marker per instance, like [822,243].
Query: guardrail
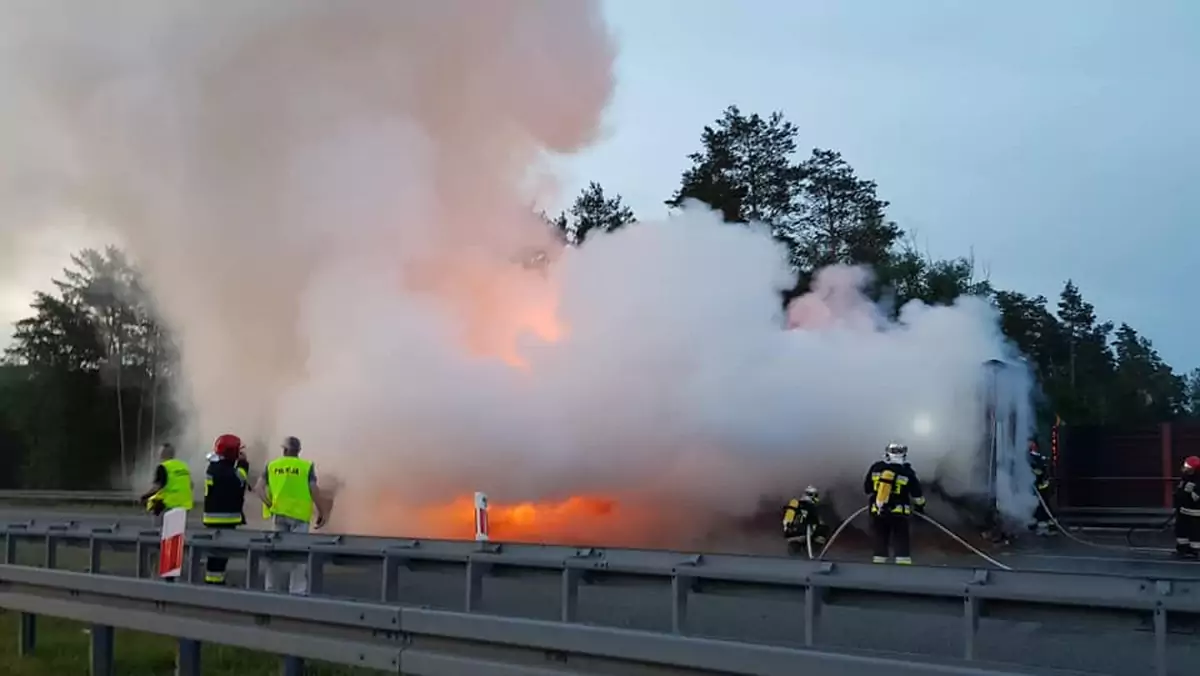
[1084,517]
[1084,600]
[1108,517]
[403,640]
[97,498]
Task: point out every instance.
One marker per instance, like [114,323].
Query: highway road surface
[1122,646]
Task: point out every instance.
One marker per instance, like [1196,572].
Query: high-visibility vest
[287,484]
[177,493]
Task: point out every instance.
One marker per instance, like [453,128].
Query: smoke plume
[331,203]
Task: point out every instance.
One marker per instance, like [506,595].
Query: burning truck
[989,490]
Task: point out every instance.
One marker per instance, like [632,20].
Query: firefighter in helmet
[1187,510]
[894,492]
[225,484]
[1041,483]
[801,518]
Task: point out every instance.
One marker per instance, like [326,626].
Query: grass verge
[62,650]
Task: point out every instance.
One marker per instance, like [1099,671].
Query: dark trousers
[215,564]
[1040,515]
[891,531]
[1187,534]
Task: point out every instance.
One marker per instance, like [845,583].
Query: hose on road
[1156,529]
[947,531]
[1097,545]
[838,532]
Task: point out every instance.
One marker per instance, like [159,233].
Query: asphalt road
[1122,646]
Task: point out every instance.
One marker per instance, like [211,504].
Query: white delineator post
[170,554]
[481,517]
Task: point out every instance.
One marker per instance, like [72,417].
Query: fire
[501,306]
[578,519]
[537,319]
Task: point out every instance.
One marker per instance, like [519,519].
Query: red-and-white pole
[481,517]
[171,541]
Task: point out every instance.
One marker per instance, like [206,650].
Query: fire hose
[1099,545]
[947,531]
[1159,528]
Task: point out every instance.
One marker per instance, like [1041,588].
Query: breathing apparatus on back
[894,454]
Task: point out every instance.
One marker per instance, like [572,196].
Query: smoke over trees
[84,386]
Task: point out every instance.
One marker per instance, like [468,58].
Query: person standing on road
[895,491]
[290,494]
[172,487]
[225,486]
[1041,483]
[1187,510]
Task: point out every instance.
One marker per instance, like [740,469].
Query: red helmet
[1191,463]
[228,446]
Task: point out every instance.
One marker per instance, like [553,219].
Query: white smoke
[327,199]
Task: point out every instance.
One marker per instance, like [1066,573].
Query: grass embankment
[62,650]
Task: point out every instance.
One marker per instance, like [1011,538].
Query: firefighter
[1041,483]
[1187,510]
[894,491]
[172,487]
[801,517]
[225,486]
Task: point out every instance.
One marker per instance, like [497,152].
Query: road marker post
[481,517]
[170,556]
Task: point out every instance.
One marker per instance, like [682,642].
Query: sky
[1050,140]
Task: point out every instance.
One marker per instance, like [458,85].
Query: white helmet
[812,493]
[896,453]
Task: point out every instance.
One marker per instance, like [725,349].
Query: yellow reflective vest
[177,493]
[288,485]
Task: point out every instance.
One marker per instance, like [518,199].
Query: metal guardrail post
[972,608]
[51,551]
[141,560]
[390,578]
[812,614]
[27,634]
[187,658]
[316,573]
[100,655]
[193,565]
[570,594]
[292,666]
[1162,588]
[10,548]
[814,598]
[474,593]
[253,566]
[94,549]
[680,586]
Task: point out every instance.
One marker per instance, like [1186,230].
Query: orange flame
[578,519]
[499,305]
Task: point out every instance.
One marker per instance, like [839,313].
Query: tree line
[748,167]
[84,384]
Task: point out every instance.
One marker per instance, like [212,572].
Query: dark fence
[1122,468]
